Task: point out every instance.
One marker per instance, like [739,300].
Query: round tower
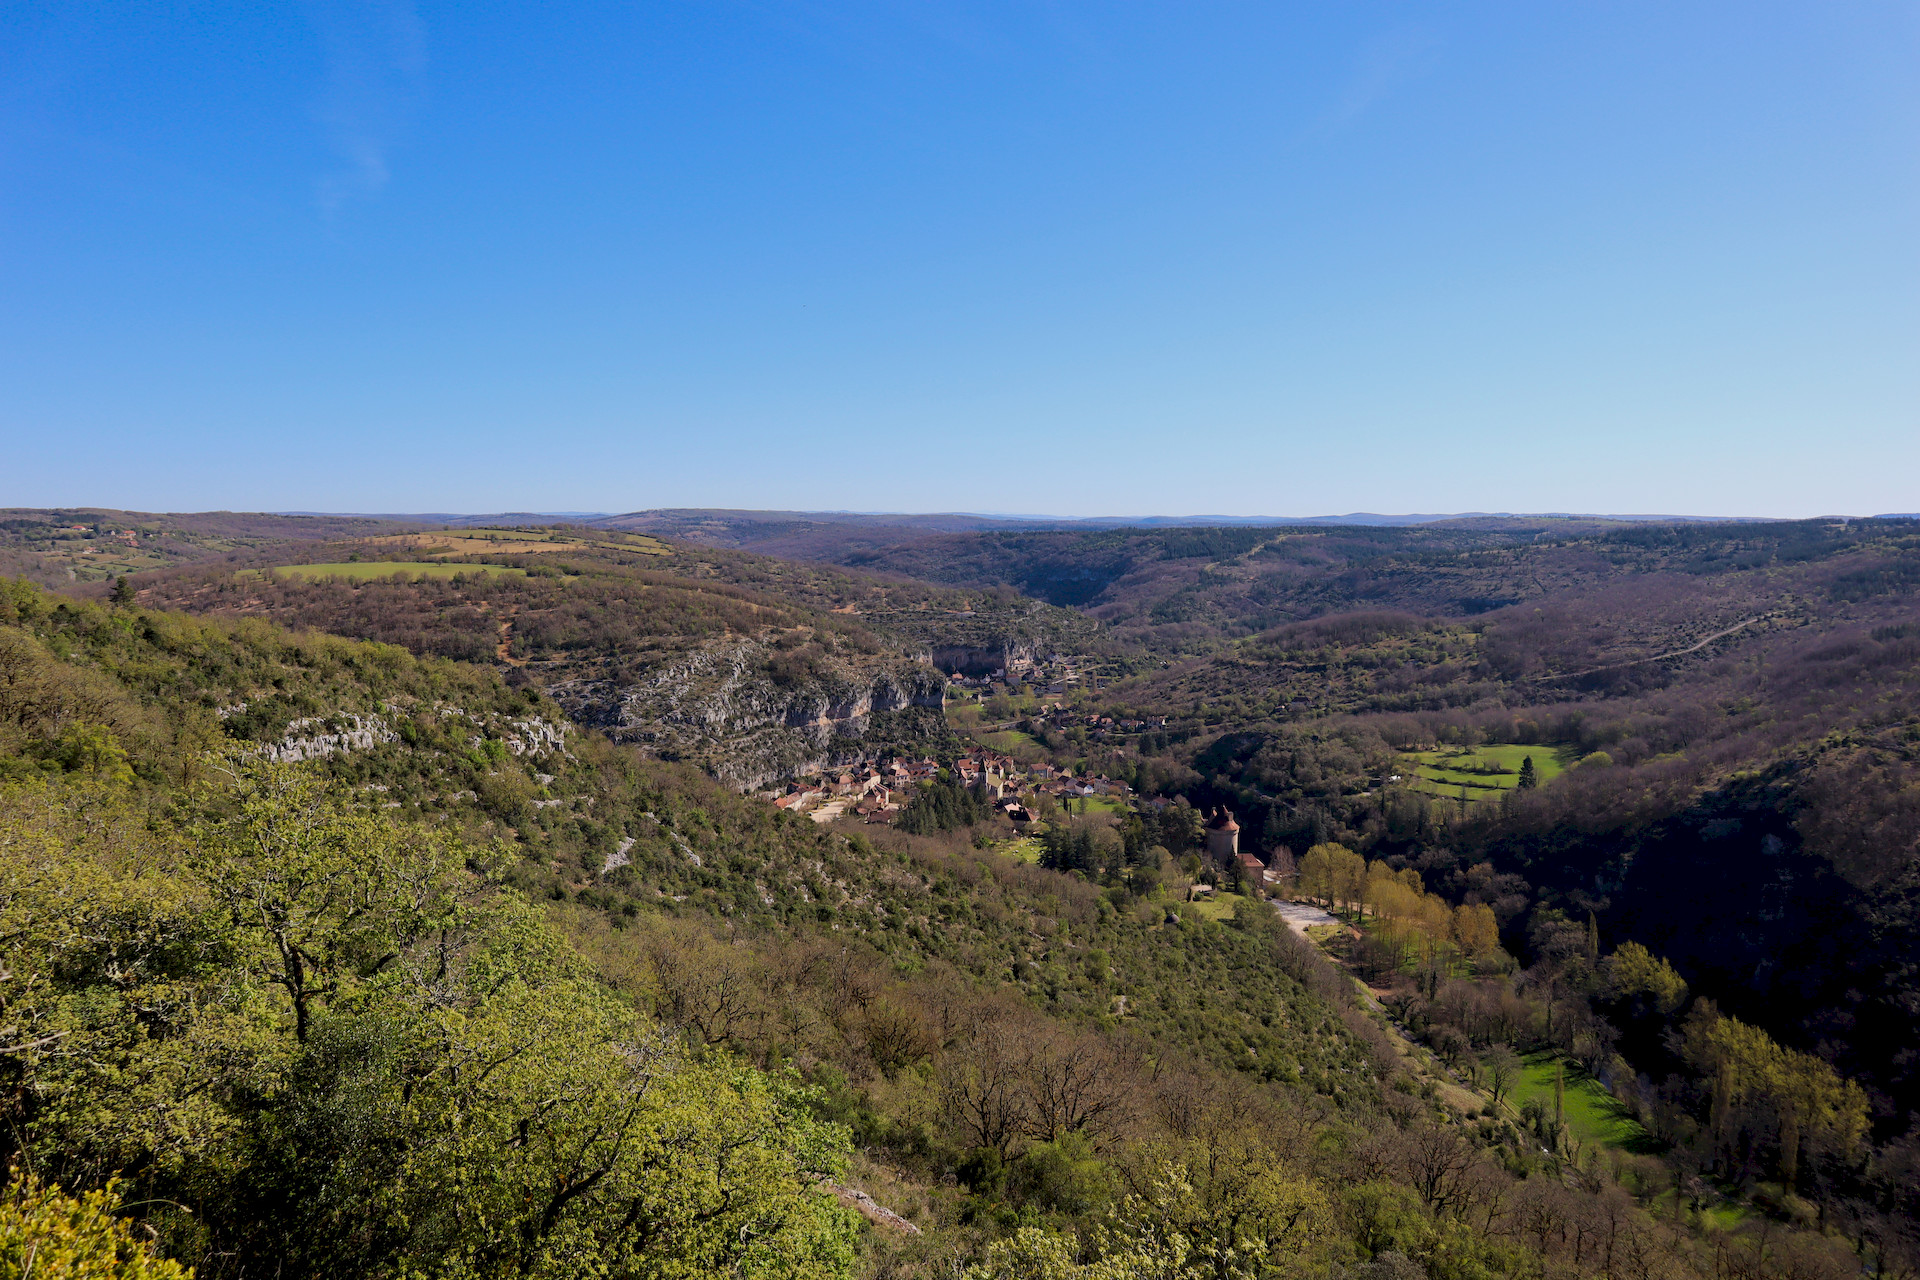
[1223,836]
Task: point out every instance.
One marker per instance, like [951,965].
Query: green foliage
[1644,981]
[941,805]
[1766,1092]
[351,1054]
[44,1232]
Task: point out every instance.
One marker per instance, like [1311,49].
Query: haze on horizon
[1083,260]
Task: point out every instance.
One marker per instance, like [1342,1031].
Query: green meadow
[1595,1118]
[1220,906]
[1021,849]
[1005,740]
[1485,771]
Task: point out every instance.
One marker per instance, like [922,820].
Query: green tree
[354,1054]
[1645,982]
[44,1232]
[1503,1070]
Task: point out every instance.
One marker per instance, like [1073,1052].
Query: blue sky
[1073,258]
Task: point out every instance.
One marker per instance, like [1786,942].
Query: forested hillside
[1184,590]
[748,666]
[326,958]
[62,546]
[1742,712]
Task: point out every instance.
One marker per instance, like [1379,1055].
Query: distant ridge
[979,522]
[968,521]
[465,518]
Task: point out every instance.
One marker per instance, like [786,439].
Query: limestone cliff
[719,706]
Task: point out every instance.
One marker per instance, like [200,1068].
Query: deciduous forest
[411,923]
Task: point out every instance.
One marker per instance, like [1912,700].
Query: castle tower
[1223,836]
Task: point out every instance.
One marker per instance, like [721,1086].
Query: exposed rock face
[350,733]
[717,705]
[532,737]
[1001,653]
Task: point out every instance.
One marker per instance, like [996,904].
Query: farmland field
[1220,906]
[1007,740]
[1095,804]
[1484,771]
[1020,849]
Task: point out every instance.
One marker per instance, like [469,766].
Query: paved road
[1300,915]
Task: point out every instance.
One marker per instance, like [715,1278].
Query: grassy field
[1094,804]
[1220,906]
[1023,849]
[1005,740]
[1595,1117]
[366,570]
[1484,771]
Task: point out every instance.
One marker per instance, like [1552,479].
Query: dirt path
[1301,916]
[504,649]
[1673,653]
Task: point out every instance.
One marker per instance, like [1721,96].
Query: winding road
[1658,657]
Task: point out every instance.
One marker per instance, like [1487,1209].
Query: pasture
[1485,771]
[1007,740]
[1220,906]
[1595,1118]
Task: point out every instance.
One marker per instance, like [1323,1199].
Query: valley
[1595,844]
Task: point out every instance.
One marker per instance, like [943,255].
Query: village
[877,791]
[1034,795]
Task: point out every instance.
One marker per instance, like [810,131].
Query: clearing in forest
[1595,1118]
[1484,771]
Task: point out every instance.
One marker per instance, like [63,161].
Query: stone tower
[1223,836]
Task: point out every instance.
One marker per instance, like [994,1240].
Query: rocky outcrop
[531,737]
[999,654]
[344,733]
[718,706]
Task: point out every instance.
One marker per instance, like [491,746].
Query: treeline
[467,618]
[1722,1099]
[1403,917]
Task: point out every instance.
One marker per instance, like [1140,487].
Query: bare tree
[982,1081]
[1503,1070]
[1077,1082]
[1438,1164]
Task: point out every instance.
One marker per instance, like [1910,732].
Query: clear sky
[1063,257]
